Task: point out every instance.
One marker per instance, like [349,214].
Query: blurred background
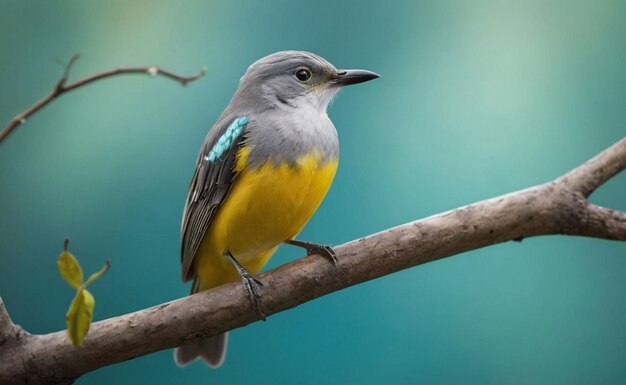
[476,99]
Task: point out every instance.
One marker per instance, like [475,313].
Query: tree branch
[12,338]
[62,87]
[6,325]
[587,177]
[557,207]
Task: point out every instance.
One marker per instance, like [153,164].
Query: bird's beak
[347,77]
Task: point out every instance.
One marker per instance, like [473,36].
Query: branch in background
[62,87]
[557,207]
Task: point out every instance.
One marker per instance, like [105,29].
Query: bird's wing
[212,179]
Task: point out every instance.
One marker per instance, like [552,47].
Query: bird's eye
[303,74]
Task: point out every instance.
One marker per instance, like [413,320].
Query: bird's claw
[314,248]
[251,286]
[325,251]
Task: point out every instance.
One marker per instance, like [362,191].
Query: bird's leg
[314,248]
[250,285]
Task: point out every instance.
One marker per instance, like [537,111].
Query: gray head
[296,79]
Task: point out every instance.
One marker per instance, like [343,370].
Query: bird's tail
[212,350]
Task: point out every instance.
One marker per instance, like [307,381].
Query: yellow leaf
[70,269]
[79,316]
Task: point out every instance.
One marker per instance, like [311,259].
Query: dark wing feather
[210,183]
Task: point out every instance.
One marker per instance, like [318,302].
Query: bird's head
[297,79]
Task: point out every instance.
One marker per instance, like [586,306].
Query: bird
[263,170]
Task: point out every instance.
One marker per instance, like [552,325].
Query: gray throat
[284,132]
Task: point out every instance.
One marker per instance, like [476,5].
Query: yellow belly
[265,207]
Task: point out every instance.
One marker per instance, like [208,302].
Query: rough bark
[557,207]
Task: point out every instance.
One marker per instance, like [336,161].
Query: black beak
[347,77]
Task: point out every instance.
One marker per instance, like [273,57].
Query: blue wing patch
[227,139]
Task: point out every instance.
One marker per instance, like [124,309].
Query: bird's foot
[315,248]
[251,286]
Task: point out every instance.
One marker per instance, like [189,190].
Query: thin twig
[62,87]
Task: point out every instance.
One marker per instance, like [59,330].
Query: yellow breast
[265,207]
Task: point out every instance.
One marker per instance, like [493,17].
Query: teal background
[476,99]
